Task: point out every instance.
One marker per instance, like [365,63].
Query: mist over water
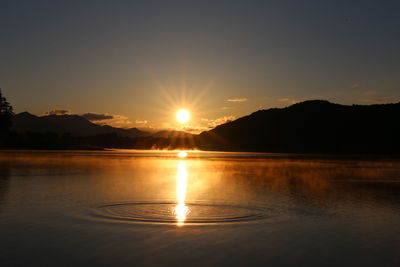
[202,208]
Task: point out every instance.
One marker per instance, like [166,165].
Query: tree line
[6,113]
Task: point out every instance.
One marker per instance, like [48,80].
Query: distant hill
[73,124]
[314,126]
[26,122]
[172,134]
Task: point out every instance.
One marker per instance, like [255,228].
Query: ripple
[196,213]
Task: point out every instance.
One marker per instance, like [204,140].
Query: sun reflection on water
[181,210]
[182,154]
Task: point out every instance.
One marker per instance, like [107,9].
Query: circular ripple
[165,212]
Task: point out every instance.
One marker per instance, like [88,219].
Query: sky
[134,63]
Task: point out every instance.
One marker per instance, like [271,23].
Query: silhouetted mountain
[309,127]
[26,122]
[73,124]
[131,132]
[172,134]
[312,126]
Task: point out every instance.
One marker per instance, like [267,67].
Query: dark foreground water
[205,209]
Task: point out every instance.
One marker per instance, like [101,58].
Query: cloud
[97,116]
[289,100]
[114,120]
[213,123]
[195,129]
[237,100]
[374,101]
[372,93]
[58,112]
[356,85]
[373,97]
[119,121]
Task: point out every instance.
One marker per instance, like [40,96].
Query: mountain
[26,122]
[172,134]
[314,126]
[73,124]
[131,132]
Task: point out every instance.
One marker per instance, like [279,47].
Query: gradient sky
[142,60]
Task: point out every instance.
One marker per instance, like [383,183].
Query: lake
[157,208]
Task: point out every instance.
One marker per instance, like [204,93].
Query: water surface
[204,208]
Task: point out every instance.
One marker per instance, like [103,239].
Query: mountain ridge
[315,126]
[73,124]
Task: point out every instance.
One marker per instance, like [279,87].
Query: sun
[183,116]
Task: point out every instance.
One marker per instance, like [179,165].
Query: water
[117,208]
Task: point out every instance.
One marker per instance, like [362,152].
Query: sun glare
[182,154]
[183,116]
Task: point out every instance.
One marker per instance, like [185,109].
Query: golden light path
[182,154]
[181,210]
[183,116]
